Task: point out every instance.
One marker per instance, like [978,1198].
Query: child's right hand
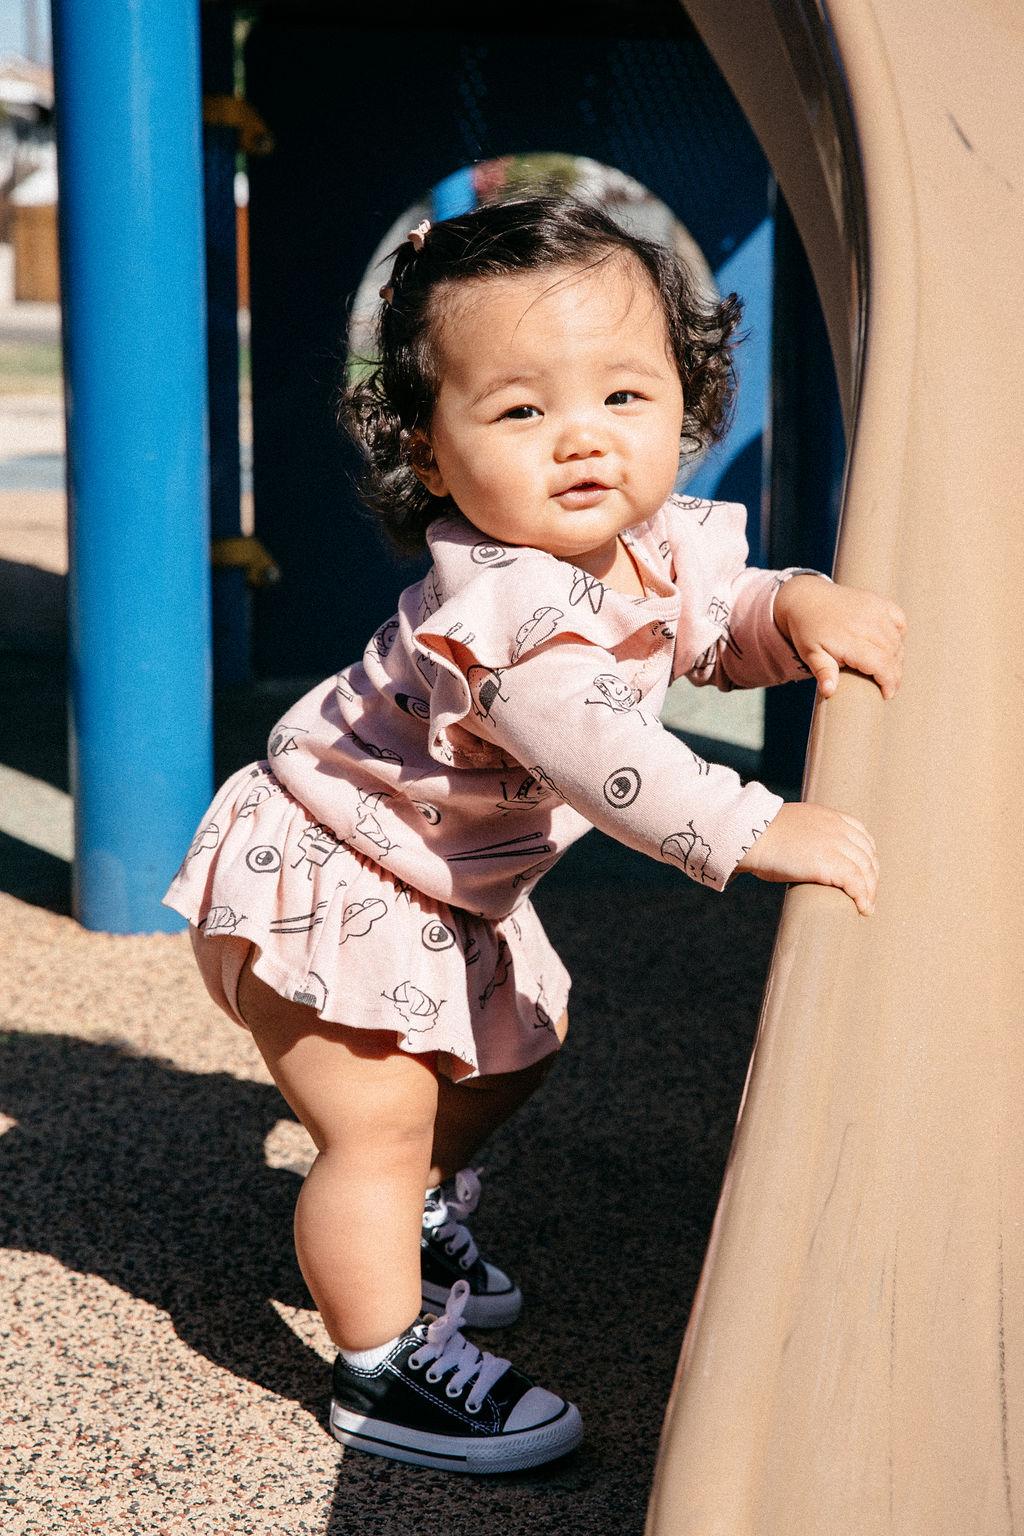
[813,844]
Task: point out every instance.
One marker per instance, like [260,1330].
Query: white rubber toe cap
[535,1407]
[498,1283]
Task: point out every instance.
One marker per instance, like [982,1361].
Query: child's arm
[831,627]
[752,628]
[614,763]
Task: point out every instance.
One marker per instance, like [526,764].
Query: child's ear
[424,465]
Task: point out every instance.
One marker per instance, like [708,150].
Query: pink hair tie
[419,234]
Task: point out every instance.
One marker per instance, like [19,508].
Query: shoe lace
[445,1346]
[444,1222]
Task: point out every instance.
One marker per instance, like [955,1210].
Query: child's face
[559,414]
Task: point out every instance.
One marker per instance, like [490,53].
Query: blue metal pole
[131,223]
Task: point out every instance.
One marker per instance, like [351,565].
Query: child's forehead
[603,298]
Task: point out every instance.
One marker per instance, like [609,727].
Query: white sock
[368,1359]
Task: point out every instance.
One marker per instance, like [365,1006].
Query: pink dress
[381,861]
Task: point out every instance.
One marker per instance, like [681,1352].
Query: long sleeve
[727,635]
[559,713]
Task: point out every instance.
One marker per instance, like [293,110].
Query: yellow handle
[246,552]
[254,137]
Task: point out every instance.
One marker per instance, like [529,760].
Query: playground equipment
[135,385]
[854,1361]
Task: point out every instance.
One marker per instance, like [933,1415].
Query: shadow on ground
[154,1179]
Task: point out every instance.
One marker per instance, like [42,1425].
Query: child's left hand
[831,627]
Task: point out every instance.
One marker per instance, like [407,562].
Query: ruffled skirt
[335,931]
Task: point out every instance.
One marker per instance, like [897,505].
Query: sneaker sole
[455,1453]
[495,1310]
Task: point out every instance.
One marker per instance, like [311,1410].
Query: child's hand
[812,844]
[832,626]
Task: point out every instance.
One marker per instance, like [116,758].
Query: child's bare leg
[370,1110]
[468,1112]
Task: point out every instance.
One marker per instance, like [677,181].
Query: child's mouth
[583,493]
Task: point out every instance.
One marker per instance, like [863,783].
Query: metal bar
[131,224]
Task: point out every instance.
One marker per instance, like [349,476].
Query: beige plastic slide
[854,1362]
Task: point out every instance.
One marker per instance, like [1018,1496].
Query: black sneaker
[437,1401]
[448,1253]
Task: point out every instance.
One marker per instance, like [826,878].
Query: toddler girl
[360,901]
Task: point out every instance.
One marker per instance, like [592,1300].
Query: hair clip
[387,293]
[419,234]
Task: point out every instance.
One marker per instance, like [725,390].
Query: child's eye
[622,397]
[520,413]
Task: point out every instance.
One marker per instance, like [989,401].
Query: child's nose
[580,437]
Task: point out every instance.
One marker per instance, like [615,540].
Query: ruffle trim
[509,602]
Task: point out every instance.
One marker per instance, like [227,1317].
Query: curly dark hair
[382,410]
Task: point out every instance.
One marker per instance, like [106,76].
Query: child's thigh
[351,1088]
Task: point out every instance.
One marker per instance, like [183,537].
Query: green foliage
[535,175]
